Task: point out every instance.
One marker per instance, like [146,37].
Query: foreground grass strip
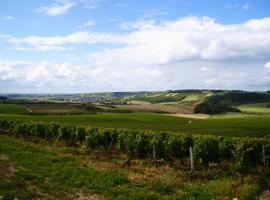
[43,174]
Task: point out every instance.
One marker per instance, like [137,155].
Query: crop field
[255,108]
[231,126]
[157,107]
[192,97]
[55,109]
[13,109]
[170,98]
[41,109]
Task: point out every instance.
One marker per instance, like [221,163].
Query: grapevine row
[244,152]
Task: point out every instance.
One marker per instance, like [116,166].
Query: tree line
[226,102]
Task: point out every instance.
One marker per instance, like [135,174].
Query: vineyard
[244,152]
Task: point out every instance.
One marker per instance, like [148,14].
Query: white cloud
[153,13]
[113,20]
[245,6]
[150,43]
[57,42]
[204,69]
[39,73]
[5,71]
[47,75]
[9,17]
[267,65]
[121,4]
[151,55]
[65,70]
[90,4]
[188,39]
[57,8]
[87,24]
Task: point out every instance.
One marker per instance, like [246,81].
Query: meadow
[255,108]
[13,109]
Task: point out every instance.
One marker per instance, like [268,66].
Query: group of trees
[243,152]
[226,102]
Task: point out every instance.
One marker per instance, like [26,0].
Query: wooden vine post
[154,155]
[191,160]
[127,162]
[263,154]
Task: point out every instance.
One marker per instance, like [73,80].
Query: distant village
[85,99]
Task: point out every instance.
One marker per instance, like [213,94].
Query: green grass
[40,173]
[254,108]
[230,126]
[43,170]
[13,109]
[192,97]
[56,109]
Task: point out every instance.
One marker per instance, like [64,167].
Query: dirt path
[193,116]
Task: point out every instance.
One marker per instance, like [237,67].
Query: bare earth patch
[3,156]
[82,196]
[265,195]
[7,170]
[193,116]
[138,103]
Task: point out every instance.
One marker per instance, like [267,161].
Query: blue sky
[69,46]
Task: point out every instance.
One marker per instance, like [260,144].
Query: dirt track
[193,116]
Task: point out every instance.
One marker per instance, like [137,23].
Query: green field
[230,126]
[13,109]
[192,97]
[42,109]
[254,108]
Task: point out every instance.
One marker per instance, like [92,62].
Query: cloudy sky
[71,46]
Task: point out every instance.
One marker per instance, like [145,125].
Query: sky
[80,46]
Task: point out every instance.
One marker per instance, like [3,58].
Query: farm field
[55,109]
[146,107]
[49,109]
[13,109]
[168,98]
[254,125]
[255,108]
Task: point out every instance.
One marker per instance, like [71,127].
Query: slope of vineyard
[89,162]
